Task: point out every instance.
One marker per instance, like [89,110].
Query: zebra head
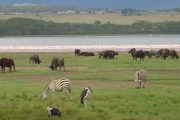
[45,92]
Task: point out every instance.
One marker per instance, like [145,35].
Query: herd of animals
[141,54]
[106,54]
[161,53]
[64,85]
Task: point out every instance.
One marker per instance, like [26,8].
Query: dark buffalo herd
[7,62]
[161,53]
[57,62]
[106,54]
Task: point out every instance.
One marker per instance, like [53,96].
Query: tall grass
[21,100]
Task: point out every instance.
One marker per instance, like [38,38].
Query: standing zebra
[84,95]
[61,85]
[140,78]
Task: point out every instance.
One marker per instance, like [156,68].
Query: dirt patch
[103,84]
[32,68]
[44,79]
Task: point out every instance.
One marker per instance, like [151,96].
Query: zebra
[84,95]
[60,85]
[140,78]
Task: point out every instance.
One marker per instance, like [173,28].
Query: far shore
[71,48]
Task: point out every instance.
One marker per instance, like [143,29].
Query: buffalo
[107,54]
[57,62]
[77,51]
[150,53]
[173,54]
[137,54]
[132,50]
[100,54]
[164,53]
[86,54]
[7,62]
[34,59]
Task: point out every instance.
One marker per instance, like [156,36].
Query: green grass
[92,68]
[21,101]
[20,95]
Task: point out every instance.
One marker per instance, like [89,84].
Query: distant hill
[107,4]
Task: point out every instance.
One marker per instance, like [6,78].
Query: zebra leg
[68,93]
[137,84]
[53,90]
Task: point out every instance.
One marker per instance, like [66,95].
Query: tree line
[24,26]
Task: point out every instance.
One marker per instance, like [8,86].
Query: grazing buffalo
[173,54]
[140,78]
[132,50]
[76,52]
[56,62]
[137,54]
[150,53]
[107,54]
[34,59]
[164,53]
[147,53]
[100,54]
[7,62]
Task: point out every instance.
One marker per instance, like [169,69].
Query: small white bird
[52,111]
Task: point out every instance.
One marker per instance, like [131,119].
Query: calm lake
[90,42]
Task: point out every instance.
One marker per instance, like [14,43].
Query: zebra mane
[45,87]
[63,79]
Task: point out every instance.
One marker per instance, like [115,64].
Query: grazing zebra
[140,78]
[84,95]
[61,85]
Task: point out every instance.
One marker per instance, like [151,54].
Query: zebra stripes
[140,78]
[61,85]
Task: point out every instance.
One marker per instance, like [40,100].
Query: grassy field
[114,96]
[106,17]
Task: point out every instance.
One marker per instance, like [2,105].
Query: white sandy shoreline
[71,48]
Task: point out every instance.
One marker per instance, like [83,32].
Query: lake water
[69,43]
